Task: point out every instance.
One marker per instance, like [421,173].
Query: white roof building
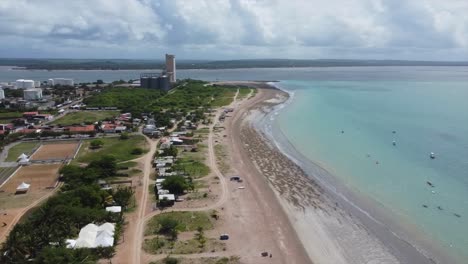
[2,94]
[169,197]
[114,209]
[93,236]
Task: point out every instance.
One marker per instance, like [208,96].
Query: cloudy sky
[235,29]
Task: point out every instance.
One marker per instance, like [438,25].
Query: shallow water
[347,127]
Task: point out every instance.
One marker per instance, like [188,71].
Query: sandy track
[142,203]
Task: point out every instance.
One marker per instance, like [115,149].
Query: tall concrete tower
[171,68]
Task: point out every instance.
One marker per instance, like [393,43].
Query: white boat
[432,155]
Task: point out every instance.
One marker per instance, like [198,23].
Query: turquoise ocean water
[427,116]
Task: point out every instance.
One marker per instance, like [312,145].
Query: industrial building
[171,68]
[24,84]
[154,81]
[2,94]
[32,94]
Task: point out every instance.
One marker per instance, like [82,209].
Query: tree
[106,165]
[137,151]
[96,143]
[168,226]
[171,151]
[123,195]
[124,136]
[175,184]
[200,236]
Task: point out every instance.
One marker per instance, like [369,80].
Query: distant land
[130,64]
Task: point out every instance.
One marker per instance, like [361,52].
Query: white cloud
[419,29]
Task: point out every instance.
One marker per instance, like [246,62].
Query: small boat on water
[394,143]
[432,155]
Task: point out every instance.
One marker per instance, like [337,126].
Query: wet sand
[330,229]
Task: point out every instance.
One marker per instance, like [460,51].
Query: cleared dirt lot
[12,205]
[55,151]
[39,176]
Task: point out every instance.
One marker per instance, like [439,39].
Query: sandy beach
[329,229]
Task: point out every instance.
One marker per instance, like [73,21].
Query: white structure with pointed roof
[93,236]
[23,187]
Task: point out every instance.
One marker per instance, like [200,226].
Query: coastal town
[161,178]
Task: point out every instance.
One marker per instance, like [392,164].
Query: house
[30,115]
[176,141]
[114,209]
[165,145]
[169,199]
[149,129]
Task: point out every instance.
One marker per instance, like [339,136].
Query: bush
[96,143]
[124,136]
[170,260]
[137,151]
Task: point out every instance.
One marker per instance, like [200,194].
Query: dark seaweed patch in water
[448,137]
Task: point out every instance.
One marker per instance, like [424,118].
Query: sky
[235,29]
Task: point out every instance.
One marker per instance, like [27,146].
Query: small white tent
[22,156]
[23,187]
[24,161]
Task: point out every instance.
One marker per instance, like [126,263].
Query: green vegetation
[81,202]
[87,117]
[5,172]
[120,149]
[177,185]
[189,96]
[23,147]
[7,117]
[135,101]
[194,168]
[186,221]
[206,260]
[161,245]
[244,92]
[221,158]
[96,143]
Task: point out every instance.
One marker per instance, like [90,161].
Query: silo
[145,82]
[28,84]
[154,83]
[164,83]
[32,94]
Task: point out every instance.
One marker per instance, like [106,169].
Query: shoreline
[345,220]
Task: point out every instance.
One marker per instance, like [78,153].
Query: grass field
[225,99]
[23,147]
[120,149]
[188,221]
[243,92]
[161,245]
[193,163]
[85,117]
[5,173]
